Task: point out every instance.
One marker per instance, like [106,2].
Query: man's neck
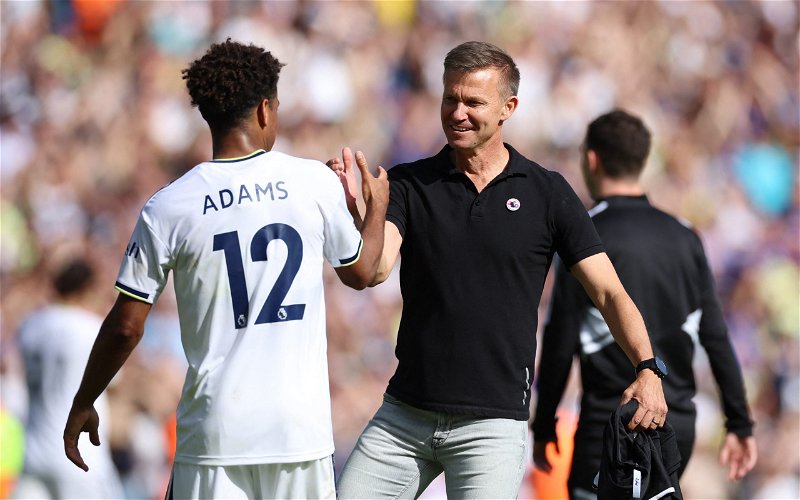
[482,165]
[233,144]
[618,187]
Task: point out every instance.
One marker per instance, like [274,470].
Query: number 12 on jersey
[273,311]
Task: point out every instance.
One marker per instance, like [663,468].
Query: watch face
[662,367]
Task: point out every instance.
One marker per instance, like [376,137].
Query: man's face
[473,109]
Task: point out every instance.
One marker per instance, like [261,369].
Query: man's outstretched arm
[600,280]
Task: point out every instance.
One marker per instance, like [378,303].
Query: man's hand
[343,167]
[80,420]
[647,391]
[540,455]
[740,454]
[374,188]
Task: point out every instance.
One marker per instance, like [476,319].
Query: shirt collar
[624,200]
[515,166]
[257,152]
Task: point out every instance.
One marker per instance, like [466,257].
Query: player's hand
[740,454]
[648,392]
[81,419]
[374,188]
[343,167]
[540,455]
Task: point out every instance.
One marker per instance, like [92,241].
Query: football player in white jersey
[55,342]
[245,236]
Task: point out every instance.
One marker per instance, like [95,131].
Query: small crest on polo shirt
[513,204]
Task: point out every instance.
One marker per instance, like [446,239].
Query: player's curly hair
[230,80]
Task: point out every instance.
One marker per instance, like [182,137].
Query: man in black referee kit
[661,262]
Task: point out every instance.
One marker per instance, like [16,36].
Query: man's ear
[593,161]
[508,108]
[262,113]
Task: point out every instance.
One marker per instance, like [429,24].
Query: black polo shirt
[472,270]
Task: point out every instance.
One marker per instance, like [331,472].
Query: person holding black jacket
[662,265]
[477,226]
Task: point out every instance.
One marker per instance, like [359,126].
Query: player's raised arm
[375,191]
[343,167]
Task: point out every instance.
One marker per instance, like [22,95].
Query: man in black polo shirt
[477,226]
[663,266]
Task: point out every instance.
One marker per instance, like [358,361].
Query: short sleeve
[575,235]
[145,265]
[398,194]
[343,242]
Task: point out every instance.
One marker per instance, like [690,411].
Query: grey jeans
[404,448]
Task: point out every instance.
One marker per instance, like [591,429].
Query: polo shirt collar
[515,167]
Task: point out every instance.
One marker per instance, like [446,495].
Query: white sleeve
[342,240]
[145,266]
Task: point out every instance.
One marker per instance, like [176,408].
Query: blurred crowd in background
[94,118]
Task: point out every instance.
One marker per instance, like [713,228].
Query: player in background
[661,263]
[245,236]
[55,342]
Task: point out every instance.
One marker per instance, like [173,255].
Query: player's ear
[263,113]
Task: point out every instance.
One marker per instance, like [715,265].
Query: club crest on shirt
[512,204]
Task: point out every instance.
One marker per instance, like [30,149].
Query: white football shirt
[55,343]
[245,240]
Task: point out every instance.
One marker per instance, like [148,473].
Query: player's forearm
[356,214]
[384,269]
[120,333]
[110,350]
[371,228]
[391,249]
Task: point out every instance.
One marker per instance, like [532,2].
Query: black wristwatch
[656,364]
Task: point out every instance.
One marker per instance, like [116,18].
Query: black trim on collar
[258,152]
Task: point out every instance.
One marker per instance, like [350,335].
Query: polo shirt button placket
[477,207]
